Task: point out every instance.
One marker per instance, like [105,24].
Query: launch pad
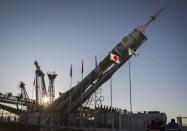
[68,111]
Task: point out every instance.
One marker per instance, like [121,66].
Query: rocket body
[104,71]
[133,40]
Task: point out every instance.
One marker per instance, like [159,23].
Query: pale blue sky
[62,32]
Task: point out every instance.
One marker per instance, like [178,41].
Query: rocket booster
[105,69]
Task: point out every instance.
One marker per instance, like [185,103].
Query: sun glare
[45,100]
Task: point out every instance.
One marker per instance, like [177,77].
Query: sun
[45,100]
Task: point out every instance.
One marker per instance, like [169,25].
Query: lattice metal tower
[40,84]
[51,89]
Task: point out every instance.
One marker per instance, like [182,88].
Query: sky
[58,33]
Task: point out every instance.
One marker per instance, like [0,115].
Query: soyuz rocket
[104,70]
